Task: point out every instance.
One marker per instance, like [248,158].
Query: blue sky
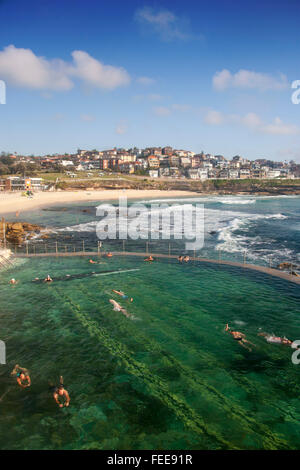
[199,75]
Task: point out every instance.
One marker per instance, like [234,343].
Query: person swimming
[119,308]
[150,258]
[92,261]
[180,258]
[22,376]
[276,339]
[13,281]
[186,259]
[109,255]
[239,337]
[124,296]
[48,279]
[60,394]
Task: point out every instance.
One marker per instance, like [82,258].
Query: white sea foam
[233,228]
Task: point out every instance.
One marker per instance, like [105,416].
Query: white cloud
[214,118]
[162,111]
[87,117]
[251,121]
[145,80]
[166,111]
[155,97]
[121,128]
[93,72]
[181,107]
[164,23]
[247,79]
[21,67]
[277,127]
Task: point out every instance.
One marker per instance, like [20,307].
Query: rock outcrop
[17,232]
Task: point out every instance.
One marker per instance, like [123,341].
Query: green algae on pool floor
[170,378]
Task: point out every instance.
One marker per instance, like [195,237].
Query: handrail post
[169,250]
[27,248]
[56,248]
[244,257]
[83,247]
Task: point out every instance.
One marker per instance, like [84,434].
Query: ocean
[168,376]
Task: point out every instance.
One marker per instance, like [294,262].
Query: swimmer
[119,292]
[186,259]
[22,376]
[180,258]
[119,308]
[150,258]
[60,394]
[109,255]
[48,279]
[239,337]
[92,261]
[276,339]
[13,281]
[124,296]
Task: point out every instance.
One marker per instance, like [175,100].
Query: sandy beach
[15,202]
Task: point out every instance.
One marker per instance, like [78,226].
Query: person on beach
[239,337]
[60,394]
[22,376]
[48,279]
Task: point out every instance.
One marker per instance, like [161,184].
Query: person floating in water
[60,394]
[92,261]
[109,255]
[48,279]
[13,281]
[150,258]
[124,296]
[180,258]
[22,376]
[276,339]
[239,337]
[186,259]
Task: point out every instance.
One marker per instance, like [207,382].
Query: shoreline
[15,202]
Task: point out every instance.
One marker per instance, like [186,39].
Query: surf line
[156,386]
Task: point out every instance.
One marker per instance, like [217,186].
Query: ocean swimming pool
[170,378]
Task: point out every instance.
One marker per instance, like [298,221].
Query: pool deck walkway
[266,270]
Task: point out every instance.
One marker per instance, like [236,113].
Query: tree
[4,170]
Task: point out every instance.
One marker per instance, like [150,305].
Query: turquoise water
[265,230]
[170,378]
